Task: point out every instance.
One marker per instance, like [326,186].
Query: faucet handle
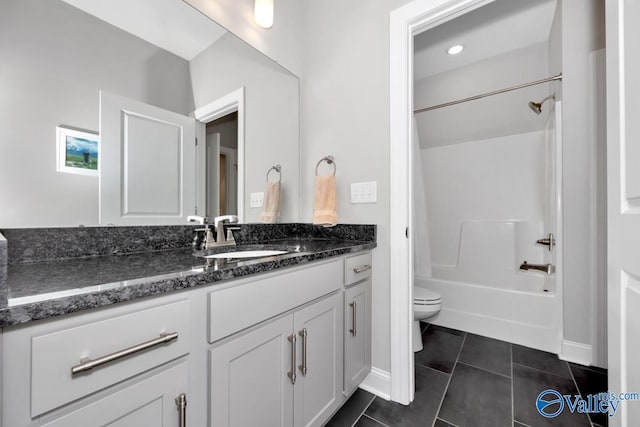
[232,219]
[550,241]
[195,218]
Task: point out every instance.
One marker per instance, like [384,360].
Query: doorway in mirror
[222,166]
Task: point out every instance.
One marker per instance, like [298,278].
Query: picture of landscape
[77,151]
[81,153]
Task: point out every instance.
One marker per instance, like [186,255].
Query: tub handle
[550,241]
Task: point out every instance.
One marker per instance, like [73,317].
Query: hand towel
[271,209]
[324,204]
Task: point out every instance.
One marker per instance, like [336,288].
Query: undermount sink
[245,254]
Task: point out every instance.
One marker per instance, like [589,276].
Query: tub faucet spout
[545,268]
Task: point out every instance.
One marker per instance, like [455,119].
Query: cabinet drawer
[54,354]
[237,308]
[150,402]
[357,268]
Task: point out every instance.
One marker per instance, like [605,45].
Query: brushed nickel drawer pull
[181,403]
[292,374]
[89,364]
[362,268]
[354,315]
[303,367]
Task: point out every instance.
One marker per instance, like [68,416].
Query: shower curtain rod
[495,92]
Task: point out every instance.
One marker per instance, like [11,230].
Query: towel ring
[330,161]
[276,168]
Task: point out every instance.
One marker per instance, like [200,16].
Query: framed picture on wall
[77,151]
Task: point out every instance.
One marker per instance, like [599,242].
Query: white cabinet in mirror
[156,64]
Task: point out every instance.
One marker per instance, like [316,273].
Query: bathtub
[528,318]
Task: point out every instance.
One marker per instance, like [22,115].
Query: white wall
[345,112]
[582,33]
[272,109]
[43,85]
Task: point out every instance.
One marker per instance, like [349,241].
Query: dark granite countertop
[45,289]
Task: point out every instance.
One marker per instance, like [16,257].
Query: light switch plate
[364,192]
[256,200]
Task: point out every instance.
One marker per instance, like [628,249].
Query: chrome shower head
[536,107]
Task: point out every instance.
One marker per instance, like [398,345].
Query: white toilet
[426,304]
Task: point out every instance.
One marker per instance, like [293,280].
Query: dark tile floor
[464,379]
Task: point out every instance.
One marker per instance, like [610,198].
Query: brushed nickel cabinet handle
[292,374]
[303,367]
[362,268]
[354,306]
[181,403]
[89,364]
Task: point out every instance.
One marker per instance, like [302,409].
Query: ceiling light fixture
[454,50]
[263,13]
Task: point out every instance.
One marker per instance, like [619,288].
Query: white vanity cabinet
[357,321]
[283,372]
[274,349]
[287,372]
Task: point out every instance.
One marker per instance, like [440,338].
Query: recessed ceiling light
[454,50]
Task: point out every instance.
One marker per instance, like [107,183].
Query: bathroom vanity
[280,340]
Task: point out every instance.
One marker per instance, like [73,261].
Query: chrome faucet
[219,222]
[546,268]
[208,241]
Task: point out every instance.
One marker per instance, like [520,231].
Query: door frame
[623,208]
[231,156]
[234,101]
[405,22]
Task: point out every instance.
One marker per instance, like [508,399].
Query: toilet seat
[422,296]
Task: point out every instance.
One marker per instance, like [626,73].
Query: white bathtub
[529,318]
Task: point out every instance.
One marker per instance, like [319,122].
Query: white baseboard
[378,382]
[576,352]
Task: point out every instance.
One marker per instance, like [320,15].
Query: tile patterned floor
[467,380]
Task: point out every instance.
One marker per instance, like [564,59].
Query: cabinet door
[357,335]
[249,381]
[150,402]
[319,380]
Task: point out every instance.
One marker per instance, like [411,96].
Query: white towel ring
[330,161]
[276,168]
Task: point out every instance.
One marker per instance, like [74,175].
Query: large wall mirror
[102,103]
